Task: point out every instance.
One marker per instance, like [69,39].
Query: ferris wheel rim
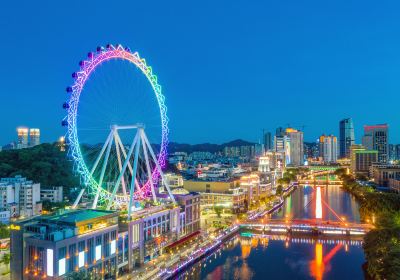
[96,59]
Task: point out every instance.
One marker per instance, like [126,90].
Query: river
[279,257]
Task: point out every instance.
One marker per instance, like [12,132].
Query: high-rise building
[328,148]
[376,137]
[346,137]
[34,137]
[296,144]
[398,152]
[267,141]
[22,137]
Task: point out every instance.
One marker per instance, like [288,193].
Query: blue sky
[228,68]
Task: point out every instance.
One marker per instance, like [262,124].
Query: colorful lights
[318,204]
[95,59]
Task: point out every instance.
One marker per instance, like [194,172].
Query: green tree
[218,210]
[279,190]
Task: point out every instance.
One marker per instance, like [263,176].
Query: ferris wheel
[107,115]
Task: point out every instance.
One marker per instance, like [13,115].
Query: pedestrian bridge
[307,226]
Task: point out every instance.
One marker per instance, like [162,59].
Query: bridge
[317,225]
[307,226]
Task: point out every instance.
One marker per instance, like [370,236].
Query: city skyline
[353,65]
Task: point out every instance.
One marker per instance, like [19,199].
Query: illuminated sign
[49,266]
[98,252]
[81,259]
[15,227]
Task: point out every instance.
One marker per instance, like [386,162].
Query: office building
[267,141]
[362,159]
[346,137]
[34,137]
[22,133]
[328,148]
[295,147]
[376,137]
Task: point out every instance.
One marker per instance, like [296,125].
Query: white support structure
[127,164]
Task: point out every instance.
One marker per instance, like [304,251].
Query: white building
[328,148]
[174,180]
[20,197]
[22,137]
[52,194]
[34,137]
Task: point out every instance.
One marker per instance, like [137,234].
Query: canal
[279,257]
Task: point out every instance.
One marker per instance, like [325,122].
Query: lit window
[113,247]
[61,267]
[49,262]
[98,252]
[81,259]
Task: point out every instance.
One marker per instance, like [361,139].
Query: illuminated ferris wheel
[114,99]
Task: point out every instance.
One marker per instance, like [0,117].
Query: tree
[4,231]
[6,259]
[279,190]
[218,210]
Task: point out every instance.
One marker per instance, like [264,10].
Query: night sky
[228,68]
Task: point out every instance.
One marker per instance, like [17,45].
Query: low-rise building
[56,246]
[394,185]
[382,173]
[20,197]
[362,159]
[52,194]
[226,194]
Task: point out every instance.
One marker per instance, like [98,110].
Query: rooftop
[76,216]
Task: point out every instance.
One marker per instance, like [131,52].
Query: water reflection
[301,204]
[279,257]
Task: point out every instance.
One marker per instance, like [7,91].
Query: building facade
[346,137]
[376,137]
[20,197]
[328,149]
[382,173]
[296,147]
[52,194]
[362,159]
[56,246]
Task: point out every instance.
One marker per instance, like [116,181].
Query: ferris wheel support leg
[120,163]
[103,170]
[135,165]
[101,153]
[129,164]
[158,167]
[78,198]
[149,174]
[124,152]
[122,172]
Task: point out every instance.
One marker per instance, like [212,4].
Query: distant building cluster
[26,138]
